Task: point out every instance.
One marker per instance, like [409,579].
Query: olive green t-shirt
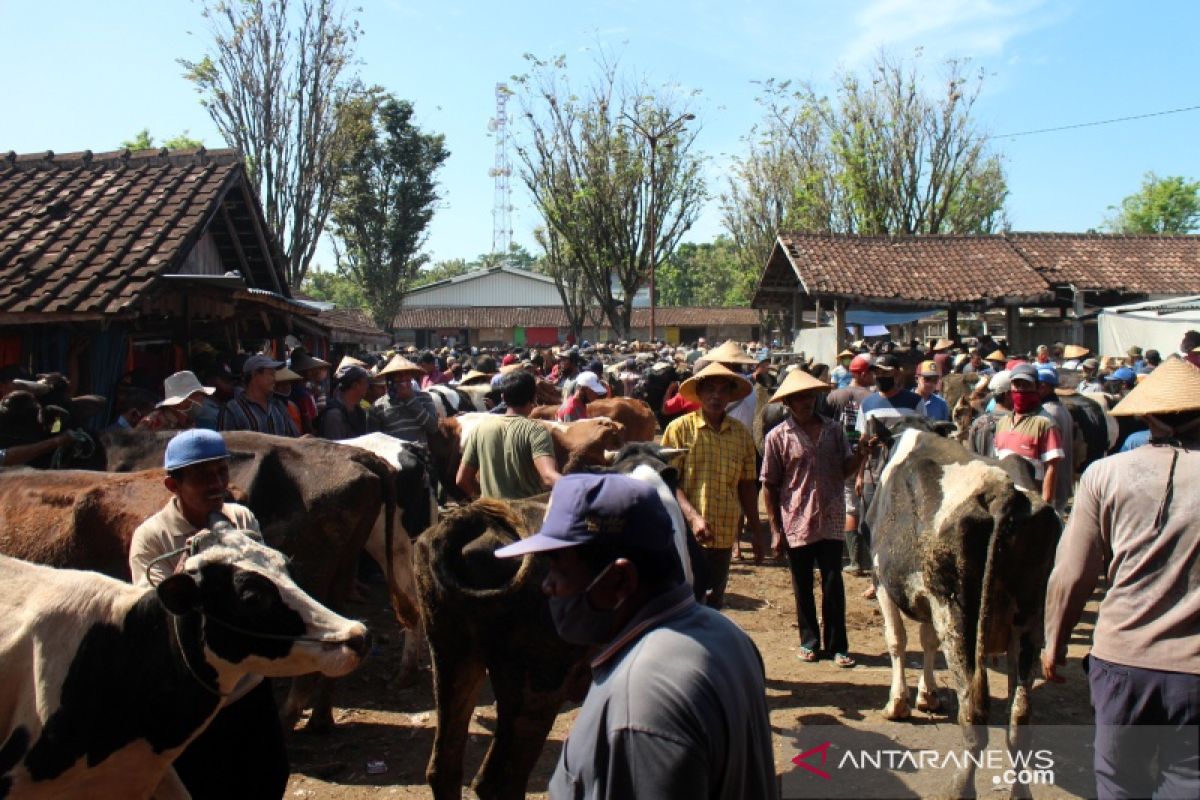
[503,449]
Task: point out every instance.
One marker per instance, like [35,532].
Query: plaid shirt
[716,462]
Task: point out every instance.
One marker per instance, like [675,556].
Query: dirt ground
[809,703]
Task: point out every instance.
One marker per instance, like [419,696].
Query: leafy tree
[1162,205]
[385,200]
[560,264]
[706,274]
[333,287]
[442,270]
[612,172]
[883,156]
[276,82]
[144,141]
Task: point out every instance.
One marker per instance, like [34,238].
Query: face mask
[578,622]
[1025,401]
[885,383]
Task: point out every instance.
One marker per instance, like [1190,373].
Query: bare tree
[589,171]
[275,82]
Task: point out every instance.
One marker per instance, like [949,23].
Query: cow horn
[672,452]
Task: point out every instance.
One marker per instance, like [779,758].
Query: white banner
[819,344]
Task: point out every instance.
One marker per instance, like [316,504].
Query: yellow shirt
[716,462]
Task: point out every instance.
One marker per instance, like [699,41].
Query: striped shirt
[243,414]
[888,411]
[411,420]
[1034,437]
[716,462]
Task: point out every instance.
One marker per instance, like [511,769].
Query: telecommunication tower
[501,171]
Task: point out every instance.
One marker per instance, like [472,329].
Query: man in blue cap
[241,753]
[677,706]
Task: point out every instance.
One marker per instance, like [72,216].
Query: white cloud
[971,28]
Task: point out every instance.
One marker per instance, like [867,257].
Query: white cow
[103,684]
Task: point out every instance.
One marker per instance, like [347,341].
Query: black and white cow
[103,684]
[960,548]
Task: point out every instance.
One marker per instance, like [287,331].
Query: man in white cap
[256,407]
[181,406]
[1136,518]
[677,706]
[587,388]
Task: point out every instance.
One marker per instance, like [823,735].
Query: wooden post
[797,313]
[1012,322]
[1077,322]
[839,324]
[952,324]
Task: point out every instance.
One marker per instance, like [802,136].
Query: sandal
[807,656]
[844,661]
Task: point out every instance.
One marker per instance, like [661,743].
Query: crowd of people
[813,476]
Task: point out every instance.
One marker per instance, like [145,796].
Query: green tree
[332,287]
[276,82]
[1162,205]
[612,172]
[706,274]
[441,270]
[883,156]
[385,200]
[144,141]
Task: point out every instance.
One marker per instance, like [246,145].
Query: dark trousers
[827,555]
[718,559]
[241,754]
[1146,731]
[858,543]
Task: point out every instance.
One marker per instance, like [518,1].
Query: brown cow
[639,421]
[577,445]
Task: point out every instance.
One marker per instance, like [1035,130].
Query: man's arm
[424,412]
[696,522]
[24,453]
[649,767]
[547,469]
[468,479]
[1049,479]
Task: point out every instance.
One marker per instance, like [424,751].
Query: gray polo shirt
[677,709]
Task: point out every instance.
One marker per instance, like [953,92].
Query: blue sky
[86,75]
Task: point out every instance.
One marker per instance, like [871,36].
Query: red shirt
[572,410]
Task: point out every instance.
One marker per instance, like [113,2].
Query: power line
[1099,122]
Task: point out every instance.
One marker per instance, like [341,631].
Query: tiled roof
[90,234]
[353,325]
[1114,263]
[549,317]
[902,269]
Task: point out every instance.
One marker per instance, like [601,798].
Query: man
[432,375]
[1028,433]
[996,361]
[1150,362]
[806,462]
[565,371]
[717,474]
[404,411]
[510,456]
[1043,356]
[731,356]
[1135,358]
[241,753]
[308,391]
[1065,475]
[677,706]
[1074,355]
[977,366]
[181,406]
[841,375]
[587,388]
[1189,347]
[843,404]
[698,351]
[1137,519]
[929,378]
[889,403]
[133,403]
[1089,384]
[256,406]
[344,416]
[981,438]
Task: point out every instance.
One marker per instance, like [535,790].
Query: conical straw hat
[798,381]
[399,364]
[741,387]
[1173,386]
[1075,351]
[728,353]
[943,344]
[349,361]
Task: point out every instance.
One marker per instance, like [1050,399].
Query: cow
[577,445]
[961,548]
[105,683]
[318,502]
[450,400]
[639,421]
[488,616]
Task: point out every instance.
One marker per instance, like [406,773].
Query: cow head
[254,615]
[888,433]
[655,456]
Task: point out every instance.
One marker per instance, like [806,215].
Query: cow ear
[179,594]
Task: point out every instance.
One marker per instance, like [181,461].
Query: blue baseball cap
[591,508]
[1048,375]
[1123,374]
[194,447]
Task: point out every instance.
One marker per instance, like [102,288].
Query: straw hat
[283,375]
[1075,351]
[741,388]
[798,381]
[1173,386]
[348,361]
[997,355]
[399,365]
[847,353]
[301,361]
[943,344]
[728,353]
[473,377]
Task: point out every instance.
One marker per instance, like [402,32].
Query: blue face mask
[578,621]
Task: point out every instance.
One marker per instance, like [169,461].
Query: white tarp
[1154,325]
[819,344]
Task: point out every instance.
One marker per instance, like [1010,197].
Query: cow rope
[183,654]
